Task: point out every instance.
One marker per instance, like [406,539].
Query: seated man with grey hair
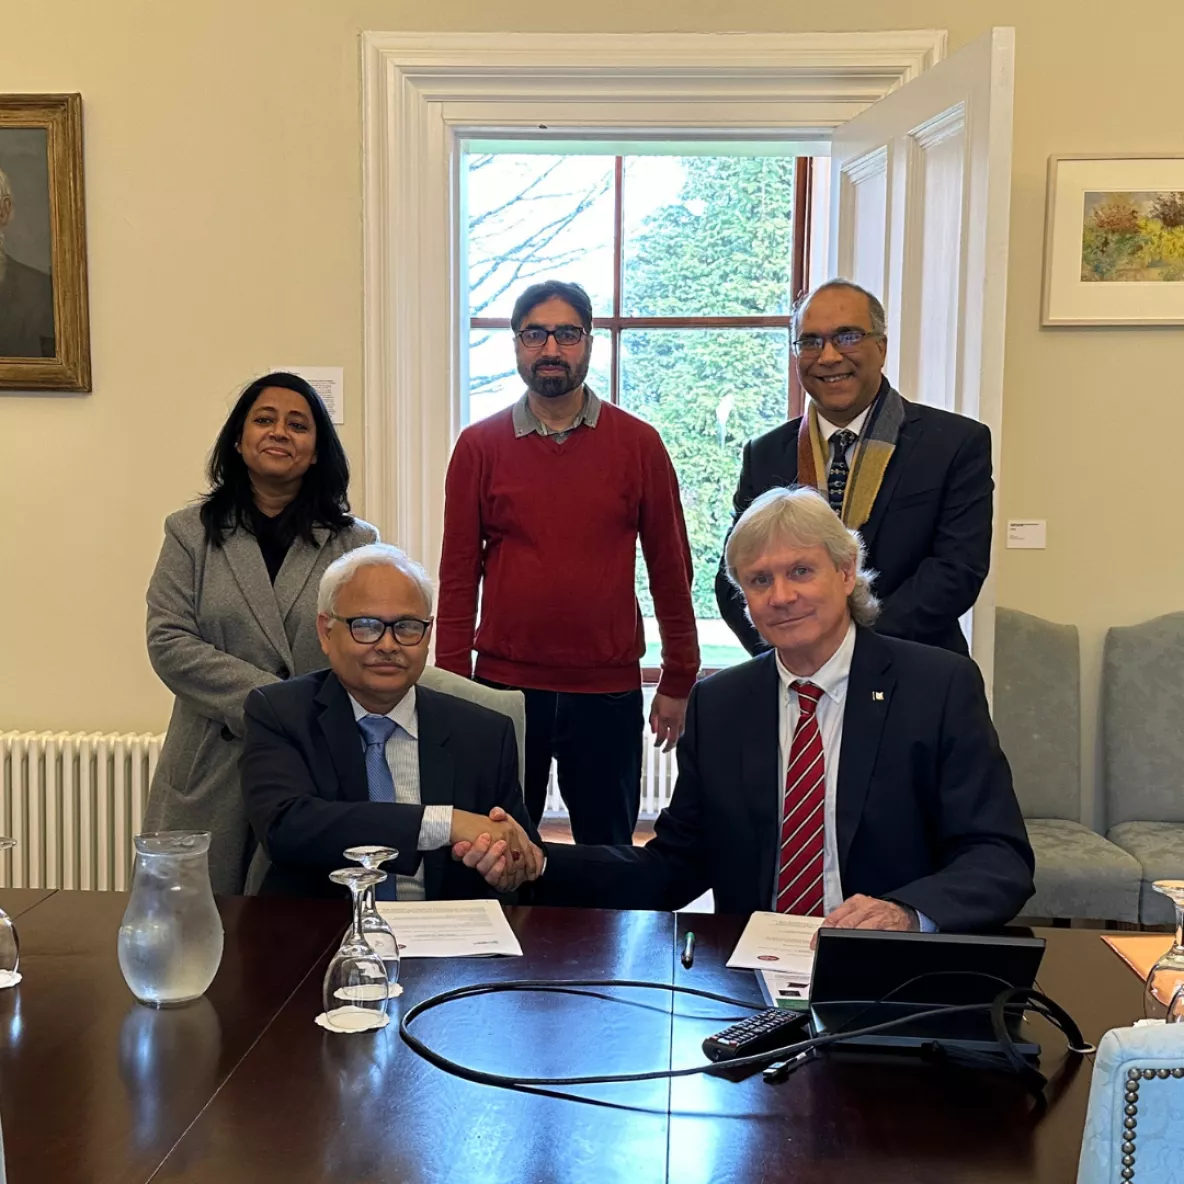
[844,774]
[358,754]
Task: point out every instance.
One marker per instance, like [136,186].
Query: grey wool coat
[217,629]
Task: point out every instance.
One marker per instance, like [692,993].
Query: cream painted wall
[223,190]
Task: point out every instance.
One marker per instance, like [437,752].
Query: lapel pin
[878,696]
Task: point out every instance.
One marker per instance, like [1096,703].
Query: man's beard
[554,386]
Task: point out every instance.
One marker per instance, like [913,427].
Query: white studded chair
[1134,1127]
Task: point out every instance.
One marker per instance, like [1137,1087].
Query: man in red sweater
[544,505]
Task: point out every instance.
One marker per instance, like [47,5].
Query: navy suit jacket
[304,782]
[925,810]
[929,534]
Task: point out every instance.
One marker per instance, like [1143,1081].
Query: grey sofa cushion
[1080,874]
[1037,711]
[1142,709]
[1159,848]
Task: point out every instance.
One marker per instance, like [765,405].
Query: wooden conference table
[242,1086]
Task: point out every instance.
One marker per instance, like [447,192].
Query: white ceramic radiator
[72,801]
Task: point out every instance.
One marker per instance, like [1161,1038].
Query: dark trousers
[596,743]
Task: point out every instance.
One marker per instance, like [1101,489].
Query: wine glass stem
[368,901]
[1179,926]
[356,934]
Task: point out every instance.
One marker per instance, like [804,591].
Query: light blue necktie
[380,785]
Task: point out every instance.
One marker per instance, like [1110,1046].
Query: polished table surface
[243,1086]
[95,1087]
[15,901]
[885,1117]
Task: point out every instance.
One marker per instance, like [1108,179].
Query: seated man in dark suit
[915,481]
[844,774]
[359,754]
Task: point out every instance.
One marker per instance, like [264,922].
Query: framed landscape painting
[1114,241]
[44,320]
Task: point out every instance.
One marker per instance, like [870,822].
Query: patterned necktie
[377,730]
[799,880]
[836,477]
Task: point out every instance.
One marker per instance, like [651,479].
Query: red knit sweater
[552,531]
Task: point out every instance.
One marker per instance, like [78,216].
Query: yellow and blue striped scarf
[873,451]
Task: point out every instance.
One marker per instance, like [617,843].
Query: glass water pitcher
[170,941]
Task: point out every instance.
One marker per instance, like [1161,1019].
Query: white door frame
[423,92]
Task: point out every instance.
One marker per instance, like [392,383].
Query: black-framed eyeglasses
[844,341]
[536,336]
[370,630]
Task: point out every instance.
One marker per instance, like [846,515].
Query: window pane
[708,236]
[493,374]
[538,217]
[707,391]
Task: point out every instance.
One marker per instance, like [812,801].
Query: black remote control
[775,1028]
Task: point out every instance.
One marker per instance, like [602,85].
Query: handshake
[496,847]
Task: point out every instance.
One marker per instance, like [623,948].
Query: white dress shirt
[402,758]
[828,429]
[831,678]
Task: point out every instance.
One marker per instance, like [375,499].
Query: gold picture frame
[44,312]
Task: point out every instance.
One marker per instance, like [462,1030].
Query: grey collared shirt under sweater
[525,420]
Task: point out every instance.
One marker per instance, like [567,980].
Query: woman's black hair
[322,499]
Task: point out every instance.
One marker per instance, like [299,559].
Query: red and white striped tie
[799,880]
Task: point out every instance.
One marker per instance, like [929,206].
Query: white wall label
[1030,535]
[328,382]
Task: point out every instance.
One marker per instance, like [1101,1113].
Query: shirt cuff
[923,922]
[436,827]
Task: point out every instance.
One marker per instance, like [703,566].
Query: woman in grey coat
[232,602]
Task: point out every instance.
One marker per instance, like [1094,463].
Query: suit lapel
[343,739]
[297,567]
[786,471]
[436,777]
[759,769]
[905,444]
[250,573]
[869,695]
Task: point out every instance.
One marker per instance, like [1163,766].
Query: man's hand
[667,720]
[503,860]
[867,912]
[467,827]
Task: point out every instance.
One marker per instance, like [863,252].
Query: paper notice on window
[449,928]
[777,941]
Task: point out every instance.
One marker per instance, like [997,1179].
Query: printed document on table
[449,928]
[791,992]
[777,941]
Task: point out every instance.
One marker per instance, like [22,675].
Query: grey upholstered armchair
[1037,710]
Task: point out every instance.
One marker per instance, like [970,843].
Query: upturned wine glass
[1163,998]
[10,946]
[355,990]
[374,927]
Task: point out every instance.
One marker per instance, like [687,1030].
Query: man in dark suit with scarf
[915,481]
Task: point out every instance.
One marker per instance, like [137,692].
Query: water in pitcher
[170,942]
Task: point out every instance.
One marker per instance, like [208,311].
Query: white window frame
[425,92]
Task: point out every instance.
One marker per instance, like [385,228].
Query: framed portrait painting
[44,320]
[1114,241]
